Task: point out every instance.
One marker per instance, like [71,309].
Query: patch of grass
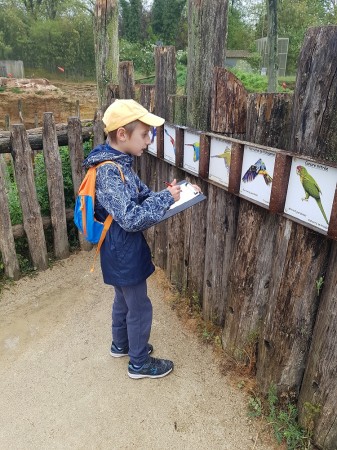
[283,418]
[3,88]
[256,83]
[16,90]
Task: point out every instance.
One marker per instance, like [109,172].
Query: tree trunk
[7,245]
[166,78]
[272,46]
[55,184]
[207,32]
[106,47]
[24,175]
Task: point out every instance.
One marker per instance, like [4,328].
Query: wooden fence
[269,281]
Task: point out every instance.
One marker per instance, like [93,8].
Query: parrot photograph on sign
[191,151]
[152,148]
[220,160]
[257,174]
[311,191]
[169,143]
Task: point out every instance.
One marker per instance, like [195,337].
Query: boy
[125,256]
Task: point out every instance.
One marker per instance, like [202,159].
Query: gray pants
[132,320]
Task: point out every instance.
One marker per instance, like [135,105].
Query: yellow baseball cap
[121,112]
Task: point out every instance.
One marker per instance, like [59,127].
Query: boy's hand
[175,189]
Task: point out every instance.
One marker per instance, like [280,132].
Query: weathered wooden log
[106,47]
[177,109]
[195,245]
[7,245]
[300,254]
[222,223]
[35,136]
[24,174]
[55,185]
[269,119]
[126,79]
[252,259]
[76,160]
[318,396]
[315,129]
[160,230]
[207,27]
[98,129]
[166,78]
[147,96]
[176,239]
[229,104]
[19,231]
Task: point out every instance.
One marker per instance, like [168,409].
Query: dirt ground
[37,96]
[60,388]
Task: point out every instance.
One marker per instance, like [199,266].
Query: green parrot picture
[311,188]
[226,156]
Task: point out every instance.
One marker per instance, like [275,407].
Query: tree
[272,46]
[106,47]
[132,14]
[166,19]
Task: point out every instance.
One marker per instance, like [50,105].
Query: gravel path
[60,388]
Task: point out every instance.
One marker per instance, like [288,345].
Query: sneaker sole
[118,355]
[137,376]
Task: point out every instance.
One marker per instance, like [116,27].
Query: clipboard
[188,197]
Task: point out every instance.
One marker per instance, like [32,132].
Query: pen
[167,183]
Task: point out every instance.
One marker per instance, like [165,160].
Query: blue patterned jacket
[125,254]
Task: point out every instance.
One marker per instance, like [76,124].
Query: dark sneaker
[118,352]
[154,368]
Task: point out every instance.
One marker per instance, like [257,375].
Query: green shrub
[142,55]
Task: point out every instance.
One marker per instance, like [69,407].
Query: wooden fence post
[300,255]
[147,96]
[55,184]
[7,245]
[319,138]
[177,109]
[250,272]
[166,78]
[207,27]
[7,122]
[126,79]
[98,129]
[229,104]
[76,158]
[24,174]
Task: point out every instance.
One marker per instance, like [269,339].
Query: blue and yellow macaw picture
[259,168]
[173,143]
[196,150]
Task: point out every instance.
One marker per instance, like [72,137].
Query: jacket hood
[104,152]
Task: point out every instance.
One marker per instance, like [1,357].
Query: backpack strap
[108,221]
